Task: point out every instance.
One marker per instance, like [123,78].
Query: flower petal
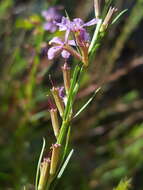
[51,14]
[71,42]
[53,51]
[62,92]
[67,35]
[77,24]
[65,24]
[91,22]
[44,13]
[56,40]
[49,26]
[78,21]
[84,35]
[65,54]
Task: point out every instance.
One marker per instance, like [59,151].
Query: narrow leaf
[87,103]
[67,15]
[65,164]
[39,162]
[38,116]
[119,16]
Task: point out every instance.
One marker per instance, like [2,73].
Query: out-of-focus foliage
[108,136]
[123,185]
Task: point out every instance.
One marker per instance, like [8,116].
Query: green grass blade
[87,103]
[119,16]
[38,166]
[65,164]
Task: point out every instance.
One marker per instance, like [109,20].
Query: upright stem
[67,113]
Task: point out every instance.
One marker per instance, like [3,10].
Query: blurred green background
[108,136]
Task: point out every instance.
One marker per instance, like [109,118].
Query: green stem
[66,117]
[62,132]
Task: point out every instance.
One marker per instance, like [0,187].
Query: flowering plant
[79,44]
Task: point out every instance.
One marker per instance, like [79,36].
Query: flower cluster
[76,29]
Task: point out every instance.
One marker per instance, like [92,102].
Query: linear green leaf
[87,103]
[38,166]
[65,164]
[119,16]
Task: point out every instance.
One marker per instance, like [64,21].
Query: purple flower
[51,16]
[65,24]
[62,92]
[77,25]
[50,26]
[59,48]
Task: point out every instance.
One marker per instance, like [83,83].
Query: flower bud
[58,100]
[55,158]
[108,18]
[84,51]
[66,77]
[55,122]
[44,174]
[82,41]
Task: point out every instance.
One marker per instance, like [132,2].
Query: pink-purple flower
[62,92]
[51,16]
[77,25]
[58,47]
[63,47]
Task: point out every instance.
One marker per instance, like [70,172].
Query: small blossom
[61,92]
[50,26]
[65,24]
[77,25]
[59,48]
[51,16]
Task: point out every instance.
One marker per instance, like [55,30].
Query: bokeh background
[108,136]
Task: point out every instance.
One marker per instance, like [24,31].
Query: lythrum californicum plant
[82,46]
